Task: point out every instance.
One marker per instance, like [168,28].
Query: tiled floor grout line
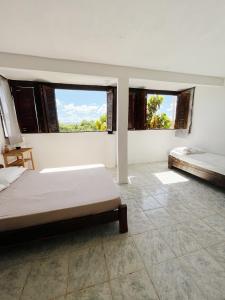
[189,253]
[195,283]
[177,223]
[201,246]
[67,281]
[107,270]
[171,247]
[223,235]
[180,256]
[84,288]
[184,267]
[28,274]
[146,270]
[92,285]
[196,217]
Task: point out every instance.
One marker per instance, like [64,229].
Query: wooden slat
[24,98]
[210,176]
[48,98]
[132,97]
[111,109]
[185,101]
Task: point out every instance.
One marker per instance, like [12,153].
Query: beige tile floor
[175,248]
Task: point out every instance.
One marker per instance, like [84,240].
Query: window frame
[40,101]
[157,92]
[76,87]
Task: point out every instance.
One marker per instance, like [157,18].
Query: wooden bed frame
[210,176]
[63,226]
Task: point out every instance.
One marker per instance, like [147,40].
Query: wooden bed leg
[123,218]
[170,162]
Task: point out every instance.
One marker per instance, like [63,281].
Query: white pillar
[122,129]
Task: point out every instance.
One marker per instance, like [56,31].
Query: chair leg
[123,218]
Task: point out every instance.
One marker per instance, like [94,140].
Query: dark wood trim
[170,162]
[185,90]
[158,92]
[63,226]
[64,86]
[122,214]
[88,87]
[79,87]
[210,176]
[22,83]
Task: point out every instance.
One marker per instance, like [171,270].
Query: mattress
[209,161]
[57,194]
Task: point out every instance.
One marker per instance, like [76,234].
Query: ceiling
[180,36]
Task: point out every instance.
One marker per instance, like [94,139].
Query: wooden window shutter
[40,106]
[184,109]
[140,109]
[48,99]
[28,93]
[24,98]
[132,97]
[111,109]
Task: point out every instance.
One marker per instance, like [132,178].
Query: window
[160,111]
[53,107]
[81,110]
[150,109]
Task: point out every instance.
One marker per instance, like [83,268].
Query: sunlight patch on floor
[130,179]
[170,177]
[70,168]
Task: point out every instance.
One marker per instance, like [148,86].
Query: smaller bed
[207,166]
[53,201]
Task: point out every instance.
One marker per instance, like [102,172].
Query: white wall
[151,145]
[208,131]
[64,149]
[209,119]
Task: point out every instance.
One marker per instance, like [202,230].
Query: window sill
[153,129]
[24,133]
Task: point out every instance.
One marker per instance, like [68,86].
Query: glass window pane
[81,110]
[161,111]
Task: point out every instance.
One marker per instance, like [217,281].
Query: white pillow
[9,175]
[180,150]
[186,150]
[195,150]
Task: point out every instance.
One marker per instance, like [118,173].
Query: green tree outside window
[154,119]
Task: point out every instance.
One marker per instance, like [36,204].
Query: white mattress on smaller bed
[209,161]
[57,194]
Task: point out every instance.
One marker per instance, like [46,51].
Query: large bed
[53,200]
[208,166]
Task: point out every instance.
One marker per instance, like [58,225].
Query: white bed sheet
[209,161]
[37,198]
